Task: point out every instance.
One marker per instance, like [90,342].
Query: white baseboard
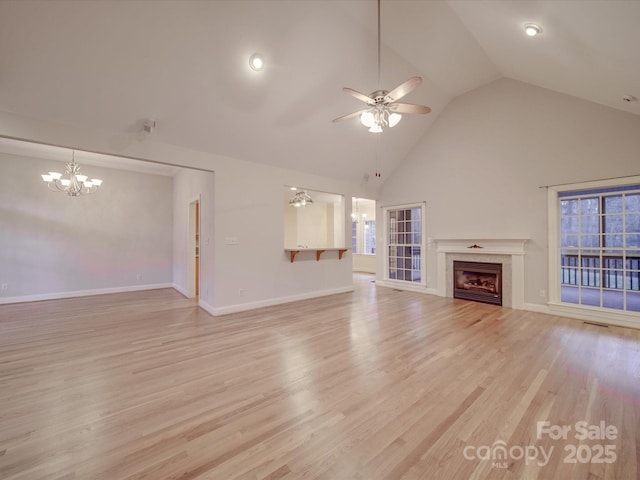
[82,293]
[206,307]
[407,286]
[536,307]
[621,319]
[608,317]
[241,307]
[181,290]
[618,319]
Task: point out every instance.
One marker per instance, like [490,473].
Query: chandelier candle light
[72,182]
[355,216]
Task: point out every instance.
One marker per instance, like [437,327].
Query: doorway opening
[193,254]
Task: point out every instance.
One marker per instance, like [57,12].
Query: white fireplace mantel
[510,249]
[495,246]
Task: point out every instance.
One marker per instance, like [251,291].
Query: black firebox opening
[478,281]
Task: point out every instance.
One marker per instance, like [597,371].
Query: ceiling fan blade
[349,115]
[403,89]
[360,96]
[409,108]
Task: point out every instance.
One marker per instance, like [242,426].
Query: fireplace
[478,281]
[508,251]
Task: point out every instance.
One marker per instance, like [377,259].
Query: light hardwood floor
[375,384]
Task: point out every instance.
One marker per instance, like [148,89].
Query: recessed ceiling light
[256,62]
[531,29]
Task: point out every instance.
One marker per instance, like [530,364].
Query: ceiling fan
[383,109]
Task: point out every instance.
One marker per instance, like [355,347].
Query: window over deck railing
[610,271]
[600,247]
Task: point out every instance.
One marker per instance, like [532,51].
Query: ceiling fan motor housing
[379,96]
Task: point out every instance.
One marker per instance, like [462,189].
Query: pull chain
[378,174]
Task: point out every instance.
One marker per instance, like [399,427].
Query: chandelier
[72,182]
[355,216]
[300,199]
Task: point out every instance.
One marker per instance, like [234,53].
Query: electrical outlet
[241,292]
[138,276]
[543,294]
[4,287]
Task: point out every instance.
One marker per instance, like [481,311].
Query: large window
[404,244]
[354,237]
[370,237]
[599,247]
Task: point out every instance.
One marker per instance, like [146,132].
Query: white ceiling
[111,65]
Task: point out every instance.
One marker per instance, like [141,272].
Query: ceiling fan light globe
[394,119]
[375,128]
[367,119]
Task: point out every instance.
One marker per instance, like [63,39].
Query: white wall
[290,224]
[339,211]
[52,244]
[247,205]
[364,263]
[257,271]
[480,166]
[313,225]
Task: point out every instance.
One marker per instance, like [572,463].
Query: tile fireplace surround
[507,251]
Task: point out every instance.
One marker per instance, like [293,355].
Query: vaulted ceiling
[110,65]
